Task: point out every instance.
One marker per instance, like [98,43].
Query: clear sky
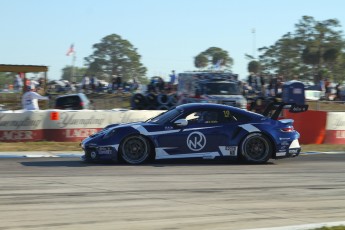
[167,33]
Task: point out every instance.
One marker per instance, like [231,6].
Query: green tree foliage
[201,61]
[115,56]
[73,73]
[282,58]
[254,67]
[213,56]
[314,49]
[6,79]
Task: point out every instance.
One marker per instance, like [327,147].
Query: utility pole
[254,43]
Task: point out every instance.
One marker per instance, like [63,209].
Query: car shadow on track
[157,163]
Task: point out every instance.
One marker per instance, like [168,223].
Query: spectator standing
[85,82]
[172,77]
[18,83]
[337,94]
[251,80]
[93,82]
[30,99]
[113,83]
[119,82]
[273,86]
[327,88]
[172,82]
[160,84]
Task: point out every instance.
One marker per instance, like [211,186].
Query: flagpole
[72,52]
[74,57]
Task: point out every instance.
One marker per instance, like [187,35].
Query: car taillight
[81,103]
[287,129]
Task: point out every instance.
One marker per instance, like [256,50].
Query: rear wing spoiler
[274,109]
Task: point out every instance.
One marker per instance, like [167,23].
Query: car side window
[203,117]
[226,116]
[240,117]
[192,117]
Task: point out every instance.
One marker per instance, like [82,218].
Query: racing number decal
[226,113]
[232,150]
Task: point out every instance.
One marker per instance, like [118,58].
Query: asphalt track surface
[65,193]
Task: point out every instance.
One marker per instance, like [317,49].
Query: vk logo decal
[196,141]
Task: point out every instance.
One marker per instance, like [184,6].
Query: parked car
[76,101]
[199,130]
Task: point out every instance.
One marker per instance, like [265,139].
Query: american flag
[70,50]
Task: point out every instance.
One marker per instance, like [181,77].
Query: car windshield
[221,88]
[164,117]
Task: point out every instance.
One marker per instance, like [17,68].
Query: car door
[204,136]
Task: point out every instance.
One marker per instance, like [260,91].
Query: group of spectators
[158,85]
[116,84]
[272,86]
[257,85]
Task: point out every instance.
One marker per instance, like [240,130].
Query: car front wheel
[256,148]
[135,150]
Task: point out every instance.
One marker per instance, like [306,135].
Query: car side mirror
[181,122]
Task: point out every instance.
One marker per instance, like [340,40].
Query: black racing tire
[162,99]
[135,150]
[138,101]
[256,148]
[151,101]
[172,99]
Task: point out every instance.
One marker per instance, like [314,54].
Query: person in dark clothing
[119,82]
[338,92]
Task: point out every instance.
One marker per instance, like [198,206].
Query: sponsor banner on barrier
[335,121]
[335,128]
[21,135]
[25,120]
[63,125]
[69,135]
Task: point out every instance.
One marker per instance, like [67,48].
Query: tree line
[313,51]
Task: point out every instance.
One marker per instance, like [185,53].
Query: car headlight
[109,133]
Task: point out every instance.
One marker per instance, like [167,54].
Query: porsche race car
[199,130]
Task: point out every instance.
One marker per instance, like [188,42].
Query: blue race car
[199,130]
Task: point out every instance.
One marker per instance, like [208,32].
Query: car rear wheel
[256,148]
[135,150]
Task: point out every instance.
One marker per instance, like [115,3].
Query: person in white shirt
[30,99]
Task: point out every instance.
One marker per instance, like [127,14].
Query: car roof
[204,105]
[193,106]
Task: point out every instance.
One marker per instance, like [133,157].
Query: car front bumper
[100,153]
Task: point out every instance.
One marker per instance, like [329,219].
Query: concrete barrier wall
[63,125]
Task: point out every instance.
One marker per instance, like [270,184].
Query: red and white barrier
[63,125]
[315,127]
[335,128]
[310,124]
